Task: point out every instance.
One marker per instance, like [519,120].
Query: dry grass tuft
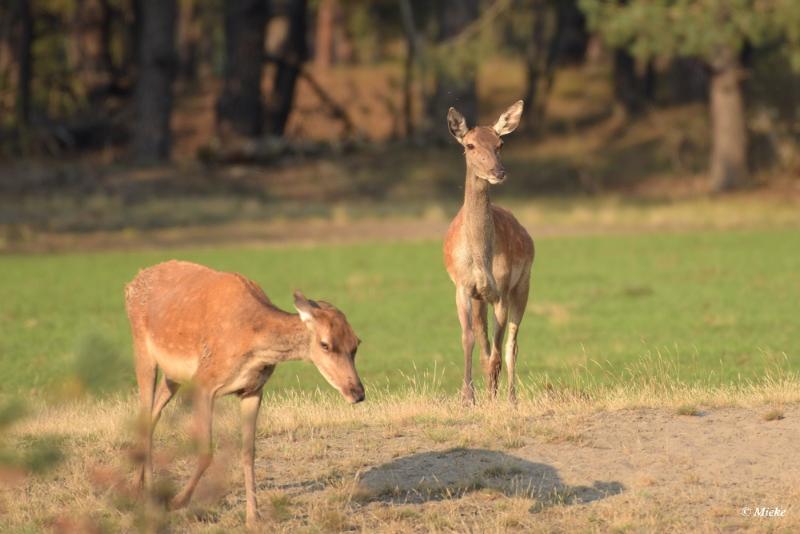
[774,415]
[688,409]
[280,506]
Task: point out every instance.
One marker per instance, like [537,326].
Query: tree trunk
[626,86]
[25,62]
[92,38]
[408,90]
[728,129]
[632,91]
[157,65]
[688,81]
[295,54]
[535,59]
[568,44]
[188,37]
[326,17]
[455,85]
[131,39]
[573,35]
[413,45]
[239,108]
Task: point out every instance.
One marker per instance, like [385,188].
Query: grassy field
[710,307]
[656,368]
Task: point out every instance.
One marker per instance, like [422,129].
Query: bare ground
[637,469]
[429,465]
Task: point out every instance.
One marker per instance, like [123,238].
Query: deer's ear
[457,124]
[509,120]
[303,307]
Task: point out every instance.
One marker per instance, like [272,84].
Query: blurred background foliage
[110,107]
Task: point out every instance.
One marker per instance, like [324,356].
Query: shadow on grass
[453,473]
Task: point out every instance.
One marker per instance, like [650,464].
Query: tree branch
[336,110]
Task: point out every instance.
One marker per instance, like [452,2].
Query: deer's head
[482,144]
[333,345]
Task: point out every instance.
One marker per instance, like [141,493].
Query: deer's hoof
[143,485]
[468,396]
[252,522]
[178,502]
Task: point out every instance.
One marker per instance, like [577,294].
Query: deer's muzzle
[356,394]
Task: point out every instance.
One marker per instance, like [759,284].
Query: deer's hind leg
[146,372]
[164,393]
[517,304]
[203,411]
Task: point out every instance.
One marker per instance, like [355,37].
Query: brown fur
[488,254]
[220,332]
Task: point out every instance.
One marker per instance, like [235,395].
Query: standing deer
[220,332]
[487,253]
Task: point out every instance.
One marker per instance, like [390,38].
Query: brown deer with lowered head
[220,332]
[487,253]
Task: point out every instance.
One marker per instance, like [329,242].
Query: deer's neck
[478,220]
[285,339]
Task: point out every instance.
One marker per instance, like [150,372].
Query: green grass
[711,306]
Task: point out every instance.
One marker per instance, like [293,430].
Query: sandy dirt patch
[628,470]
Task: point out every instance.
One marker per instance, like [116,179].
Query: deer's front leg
[249,407]
[203,409]
[493,369]
[464,308]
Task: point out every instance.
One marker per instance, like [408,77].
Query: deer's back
[182,310]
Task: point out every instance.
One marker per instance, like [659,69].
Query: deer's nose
[500,175]
[357,394]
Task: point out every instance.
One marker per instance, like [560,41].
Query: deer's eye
[470,146]
[324,346]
